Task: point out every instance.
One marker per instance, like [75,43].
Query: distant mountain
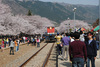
[28,0]
[16,8]
[89,13]
[54,11]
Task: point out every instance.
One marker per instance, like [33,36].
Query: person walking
[66,42]
[24,39]
[91,50]
[35,40]
[58,42]
[97,40]
[21,39]
[28,41]
[32,41]
[77,52]
[12,47]
[2,46]
[82,36]
[15,42]
[38,41]
[1,43]
[18,42]
[5,42]
[71,37]
[9,41]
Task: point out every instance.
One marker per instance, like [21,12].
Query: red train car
[50,34]
[50,30]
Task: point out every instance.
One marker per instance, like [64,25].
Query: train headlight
[50,27]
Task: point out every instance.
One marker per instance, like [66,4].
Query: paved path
[63,63]
[68,63]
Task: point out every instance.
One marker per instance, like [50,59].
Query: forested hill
[54,11]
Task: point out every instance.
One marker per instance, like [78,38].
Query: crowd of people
[9,42]
[34,40]
[79,46]
[13,42]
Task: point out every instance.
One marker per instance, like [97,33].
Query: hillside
[57,12]
[89,13]
[16,8]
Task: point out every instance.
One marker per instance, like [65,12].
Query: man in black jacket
[91,50]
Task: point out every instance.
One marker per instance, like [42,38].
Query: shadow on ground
[66,64]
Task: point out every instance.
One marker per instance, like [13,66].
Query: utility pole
[74,16]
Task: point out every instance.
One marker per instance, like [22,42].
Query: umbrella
[82,29]
[96,29]
[79,29]
[93,28]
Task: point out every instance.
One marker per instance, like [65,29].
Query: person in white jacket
[24,39]
[82,36]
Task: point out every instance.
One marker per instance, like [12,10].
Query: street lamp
[68,18]
[74,14]
[68,28]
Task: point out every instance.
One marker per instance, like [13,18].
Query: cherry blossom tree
[40,23]
[70,24]
[10,24]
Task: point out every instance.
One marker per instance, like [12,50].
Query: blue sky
[84,2]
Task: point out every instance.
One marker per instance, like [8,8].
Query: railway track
[40,58]
[46,59]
